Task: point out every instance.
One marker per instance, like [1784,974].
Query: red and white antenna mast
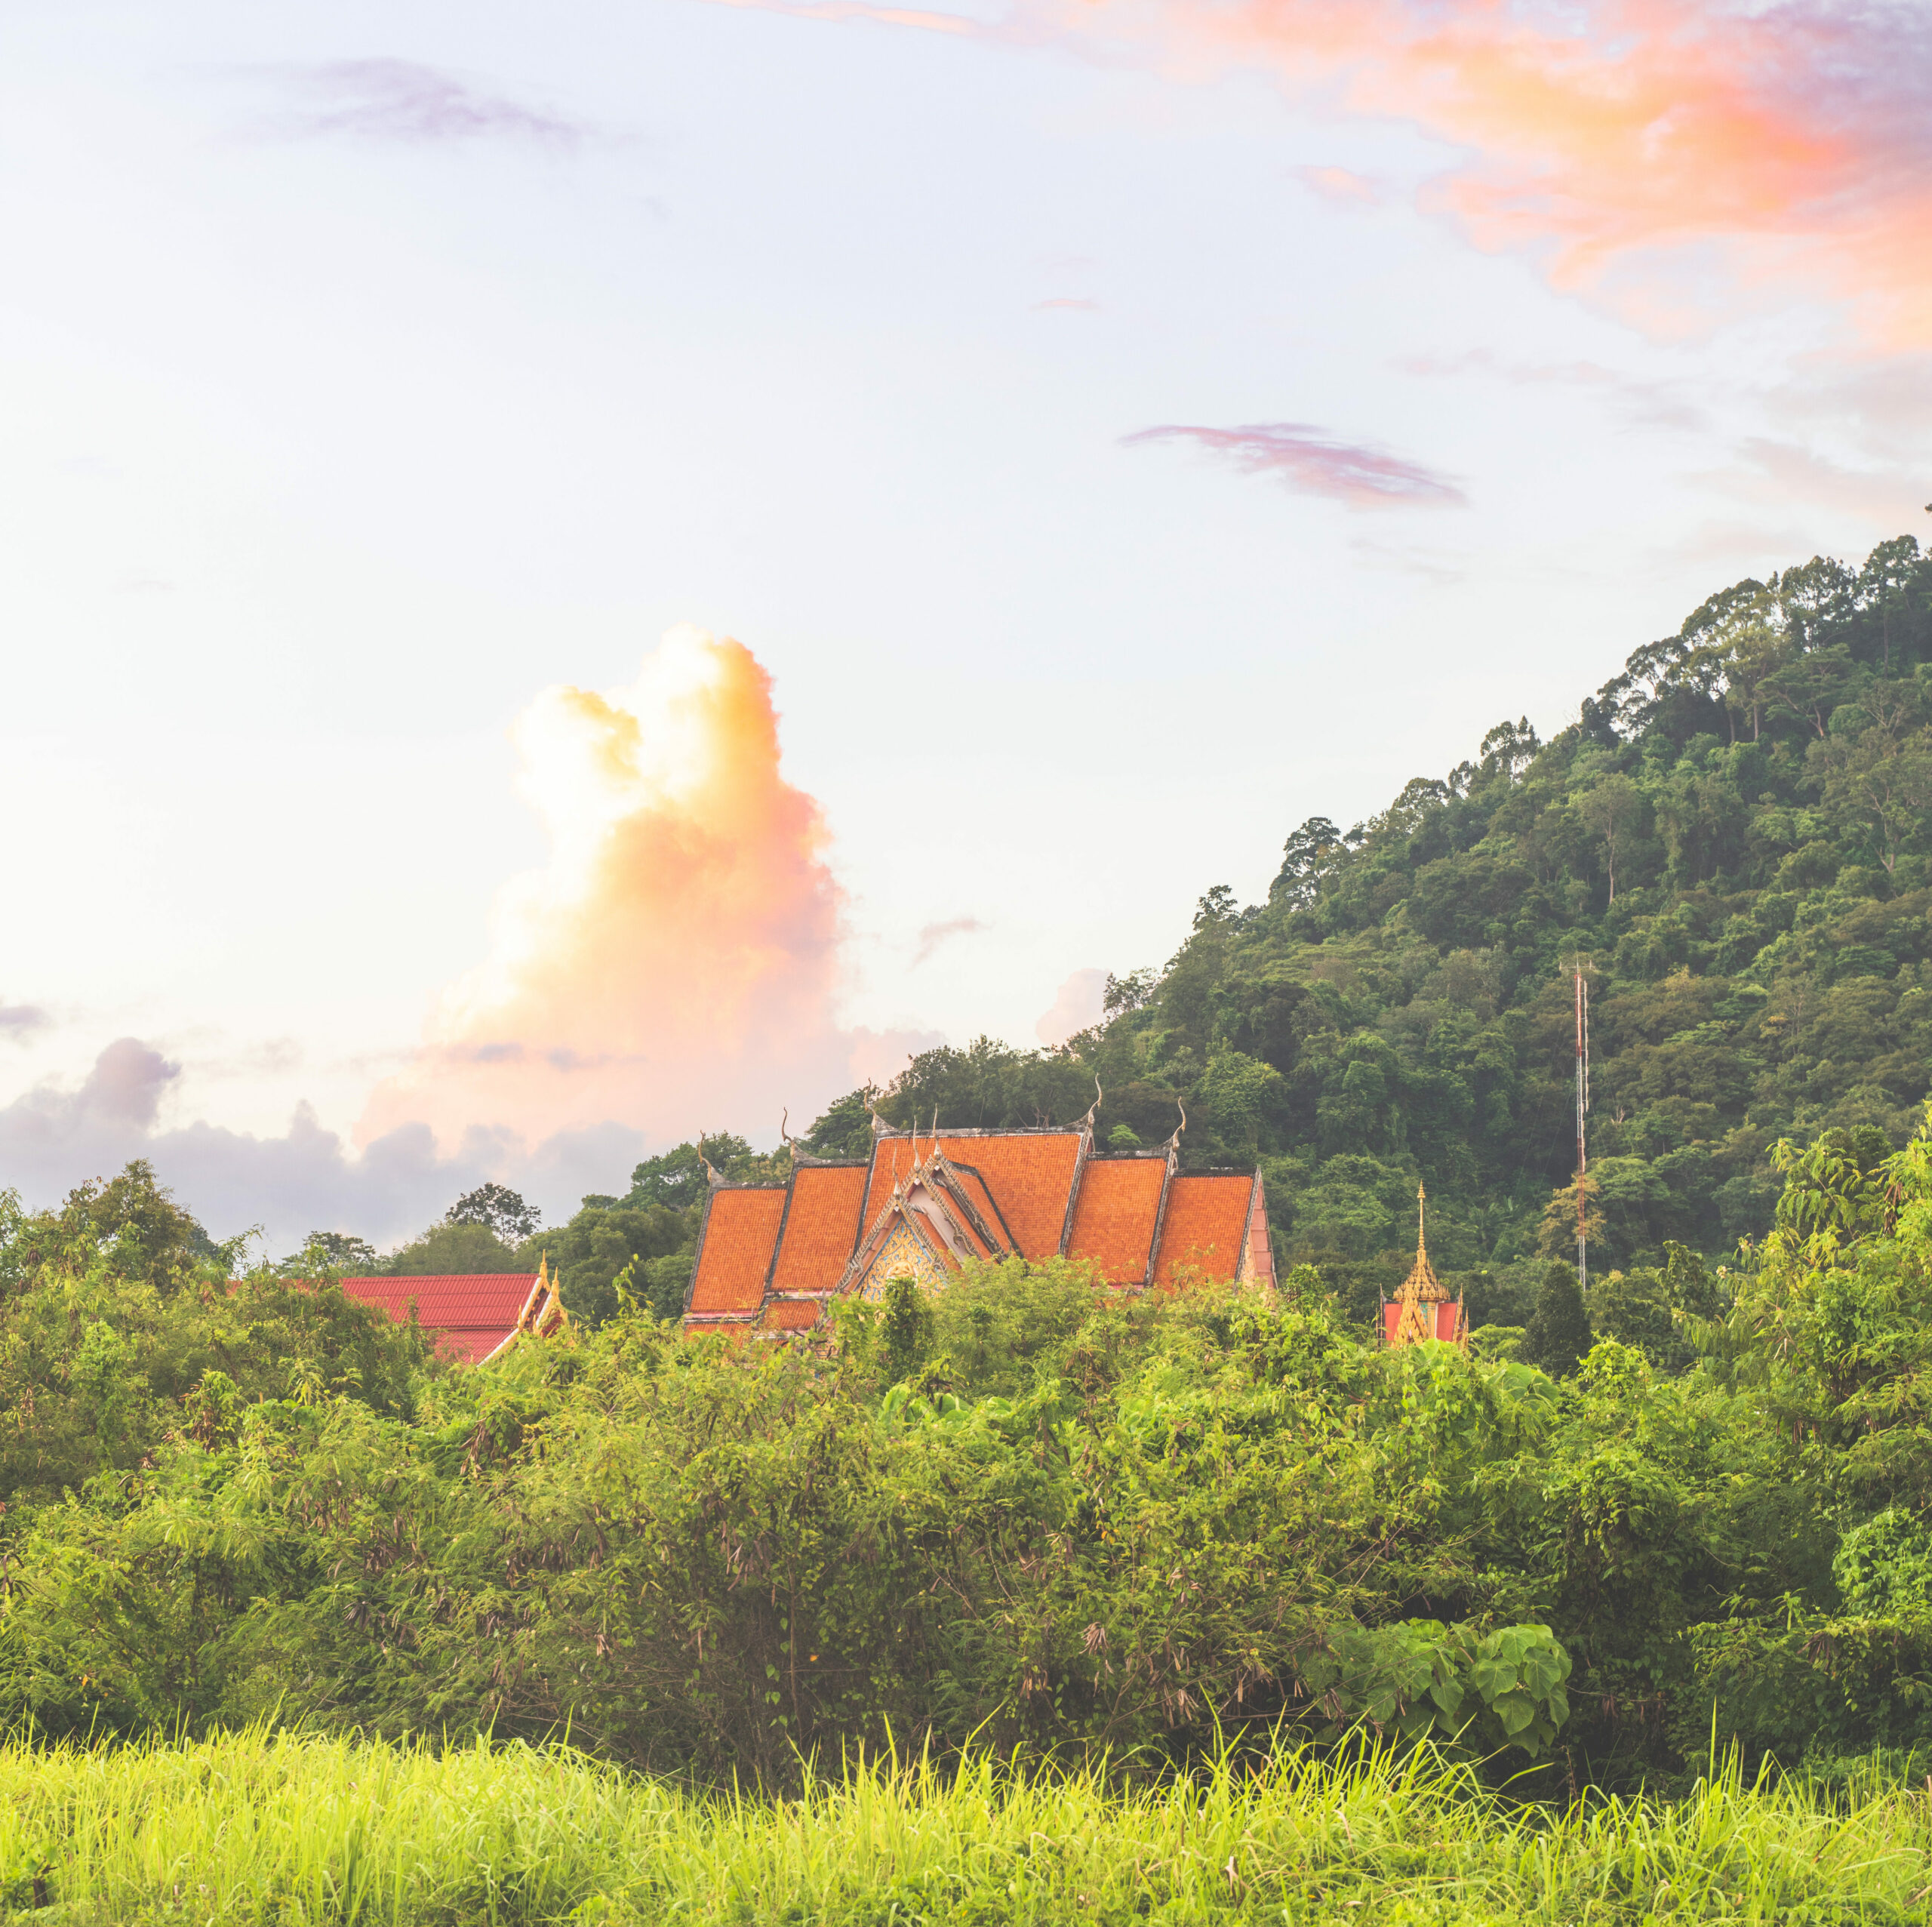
[1582,1105]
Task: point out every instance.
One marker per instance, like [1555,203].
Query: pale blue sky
[368,369]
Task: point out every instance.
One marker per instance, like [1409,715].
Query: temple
[1423,1309]
[472,1317]
[925,1203]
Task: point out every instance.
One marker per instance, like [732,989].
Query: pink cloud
[18,1022]
[1304,458]
[305,1179]
[1078,1006]
[1340,187]
[1673,154]
[677,962]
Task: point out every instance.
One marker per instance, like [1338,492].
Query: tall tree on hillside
[1306,858]
[1558,1336]
[497,1208]
[1756,645]
[1612,811]
[1868,782]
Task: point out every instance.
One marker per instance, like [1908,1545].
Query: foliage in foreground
[1025,1514]
[301,1829]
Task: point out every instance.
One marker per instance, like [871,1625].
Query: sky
[572,577]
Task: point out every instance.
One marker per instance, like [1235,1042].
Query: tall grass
[293,1828]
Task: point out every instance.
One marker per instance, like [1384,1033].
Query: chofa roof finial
[1174,1142]
[880,1127]
[799,1154]
[1087,1122]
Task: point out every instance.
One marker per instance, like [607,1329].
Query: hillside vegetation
[1733,842]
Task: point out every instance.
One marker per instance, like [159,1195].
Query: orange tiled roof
[469,1313]
[789,1315]
[973,1187]
[1030,1172]
[740,1228]
[1205,1226]
[1113,1223]
[821,1227]
[762,1242]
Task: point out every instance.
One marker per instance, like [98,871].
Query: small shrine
[1423,1308]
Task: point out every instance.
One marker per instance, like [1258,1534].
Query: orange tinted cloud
[1614,132]
[1639,145]
[675,965]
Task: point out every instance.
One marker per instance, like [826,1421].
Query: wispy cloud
[934,934]
[1308,460]
[1643,403]
[1341,186]
[385,99]
[1068,301]
[1778,475]
[18,1022]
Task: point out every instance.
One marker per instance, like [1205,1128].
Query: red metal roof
[470,1314]
[1113,1223]
[1205,1226]
[740,1229]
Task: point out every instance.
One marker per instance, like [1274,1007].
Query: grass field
[299,1829]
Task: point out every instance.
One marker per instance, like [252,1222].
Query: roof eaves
[977,1131]
[953,1189]
[778,1243]
[1080,1156]
[1160,1216]
[697,1259]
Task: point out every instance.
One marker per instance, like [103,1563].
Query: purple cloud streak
[1304,458]
[933,934]
[385,100]
[18,1022]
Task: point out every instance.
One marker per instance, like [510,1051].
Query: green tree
[1872,785]
[1613,810]
[499,1209]
[454,1250]
[1558,1335]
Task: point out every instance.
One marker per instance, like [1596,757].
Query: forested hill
[1735,838]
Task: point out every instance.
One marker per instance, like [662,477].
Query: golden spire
[1422,1287]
